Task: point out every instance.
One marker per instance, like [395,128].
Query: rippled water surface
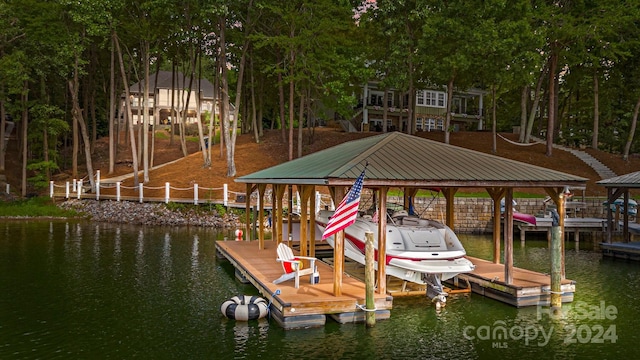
[83,290]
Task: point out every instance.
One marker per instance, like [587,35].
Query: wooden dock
[529,288]
[622,250]
[310,304]
[571,225]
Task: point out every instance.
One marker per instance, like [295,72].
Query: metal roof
[398,159]
[631,180]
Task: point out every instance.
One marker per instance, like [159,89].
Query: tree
[449,48]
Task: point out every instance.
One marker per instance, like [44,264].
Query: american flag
[347,211]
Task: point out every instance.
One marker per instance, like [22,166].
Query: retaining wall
[475,215]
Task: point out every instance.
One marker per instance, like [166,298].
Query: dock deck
[310,304]
[529,288]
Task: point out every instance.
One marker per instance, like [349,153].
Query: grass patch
[34,207]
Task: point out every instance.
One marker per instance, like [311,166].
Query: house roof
[164,82]
[631,180]
[398,159]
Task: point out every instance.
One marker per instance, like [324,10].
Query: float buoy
[244,307]
[238,235]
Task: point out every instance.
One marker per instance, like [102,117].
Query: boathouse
[619,187]
[411,163]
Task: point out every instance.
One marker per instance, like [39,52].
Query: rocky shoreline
[156,214]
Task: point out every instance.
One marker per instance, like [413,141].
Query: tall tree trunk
[78,117]
[385,109]
[3,122]
[552,102]
[215,114]
[127,102]
[225,100]
[494,122]
[145,115]
[524,104]
[112,110]
[292,61]
[596,111]
[185,113]
[254,118]
[206,161]
[76,149]
[156,114]
[25,127]
[447,121]
[632,131]
[173,102]
[260,106]
[412,95]
[283,126]
[534,106]
[300,124]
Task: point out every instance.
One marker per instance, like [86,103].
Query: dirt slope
[271,150]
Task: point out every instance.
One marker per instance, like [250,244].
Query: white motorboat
[418,250]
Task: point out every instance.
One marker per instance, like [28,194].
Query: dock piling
[556,265]
[369,279]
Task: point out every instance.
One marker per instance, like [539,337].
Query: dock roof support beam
[261,190]
[449,195]
[508,236]
[496,195]
[382,239]
[558,198]
[338,249]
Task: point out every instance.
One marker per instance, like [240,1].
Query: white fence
[196,194]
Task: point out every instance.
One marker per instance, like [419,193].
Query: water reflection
[81,290]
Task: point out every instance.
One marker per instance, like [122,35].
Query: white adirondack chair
[292,265]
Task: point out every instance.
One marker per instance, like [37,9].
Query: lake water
[87,290]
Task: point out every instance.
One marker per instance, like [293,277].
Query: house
[429,113]
[200,103]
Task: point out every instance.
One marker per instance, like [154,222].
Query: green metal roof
[631,180]
[398,159]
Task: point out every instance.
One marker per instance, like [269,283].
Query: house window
[430,98]
[375,99]
[419,124]
[433,124]
[429,124]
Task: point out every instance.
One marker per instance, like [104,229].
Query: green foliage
[220,209]
[186,208]
[174,206]
[40,169]
[325,53]
[34,207]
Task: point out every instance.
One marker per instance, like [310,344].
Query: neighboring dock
[571,225]
[624,250]
[629,251]
[310,304]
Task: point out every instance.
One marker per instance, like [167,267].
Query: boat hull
[412,251]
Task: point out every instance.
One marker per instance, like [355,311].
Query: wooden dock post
[369,279]
[556,265]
